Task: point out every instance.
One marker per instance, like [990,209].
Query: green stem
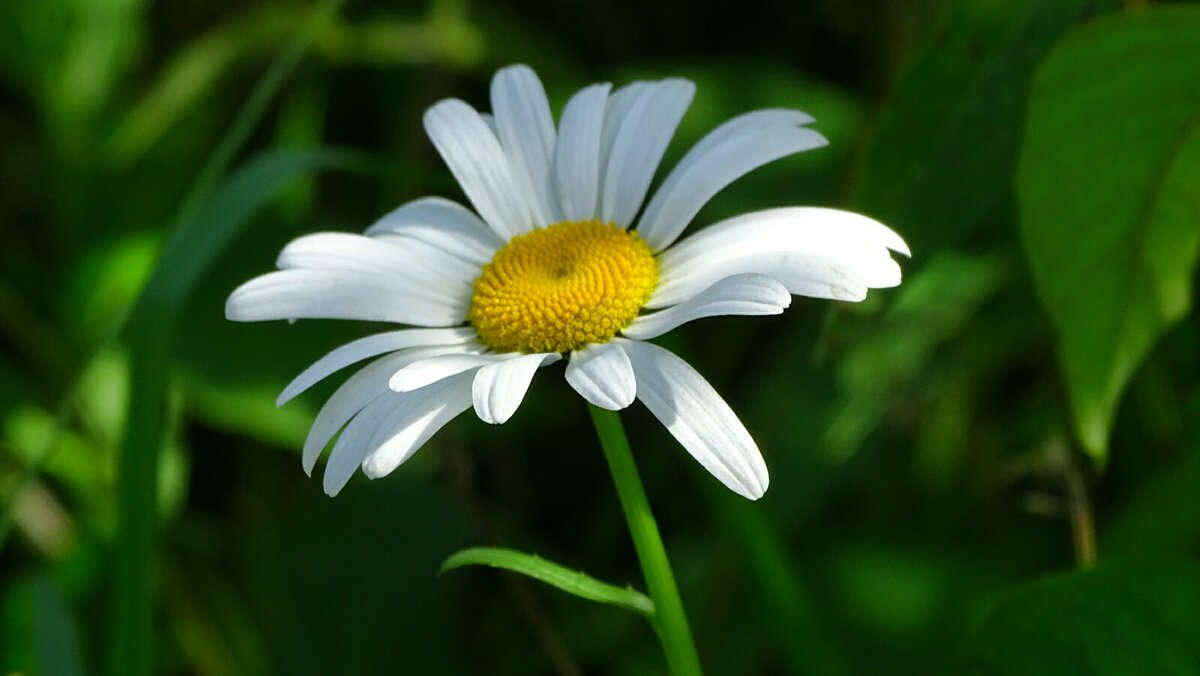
[669,619]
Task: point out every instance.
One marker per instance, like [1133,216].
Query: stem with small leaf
[669,620]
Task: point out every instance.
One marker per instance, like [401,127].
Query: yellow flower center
[559,288]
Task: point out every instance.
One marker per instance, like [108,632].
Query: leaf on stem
[570,581]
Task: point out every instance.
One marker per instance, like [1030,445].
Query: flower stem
[669,620]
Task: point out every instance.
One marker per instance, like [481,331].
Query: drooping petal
[498,388]
[601,374]
[833,251]
[351,447]
[474,155]
[698,418]
[638,146]
[444,224]
[359,390]
[347,294]
[577,155]
[408,259]
[371,346]
[416,418]
[526,130]
[421,373]
[727,153]
[747,294]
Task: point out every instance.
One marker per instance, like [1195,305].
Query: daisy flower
[559,259]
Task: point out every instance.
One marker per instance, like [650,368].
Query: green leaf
[1107,620]
[940,161]
[1109,188]
[570,581]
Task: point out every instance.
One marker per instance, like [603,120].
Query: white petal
[766,118]
[615,112]
[359,390]
[408,259]
[577,155]
[370,346]
[638,146]
[834,252]
[444,224]
[499,388]
[800,273]
[601,374]
[352,446]
[742,145]
[347,294]
[737,295]
[421,373]
[417,417]
[526,131]
[698,418]
[473,154]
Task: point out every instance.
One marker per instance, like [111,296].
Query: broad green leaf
[941,159]
[1109,188]
[570,581]
[1108,620]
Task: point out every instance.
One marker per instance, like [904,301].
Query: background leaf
[1109,187]
[1109,620]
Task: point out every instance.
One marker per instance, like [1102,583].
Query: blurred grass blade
[800,637]
[570,581]
[1110,202]
[194,243]
[193,72]
[39,633]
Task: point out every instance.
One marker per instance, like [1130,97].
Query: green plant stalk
[669,620]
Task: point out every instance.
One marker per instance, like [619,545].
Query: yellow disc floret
[559,288]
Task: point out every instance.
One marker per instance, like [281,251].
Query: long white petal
[601,374]
[526,130]
[498,388]
[359,390]
[370,346]
[347,294]
[800,273]
[418,374]
[698,418]
[474,155]
[577,155]
[638,146]
[417,417]
[409,259]
[748,294]
[744,144]
[444,224]
[842,251]
[766,118]
[615,112]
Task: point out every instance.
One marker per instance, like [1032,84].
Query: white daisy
[558,263]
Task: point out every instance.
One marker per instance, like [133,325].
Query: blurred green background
[943,456]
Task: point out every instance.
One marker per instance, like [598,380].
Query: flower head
[558,262]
